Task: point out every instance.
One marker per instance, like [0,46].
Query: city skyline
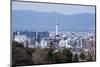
[47,33]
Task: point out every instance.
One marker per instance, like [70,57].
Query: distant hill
[46,21]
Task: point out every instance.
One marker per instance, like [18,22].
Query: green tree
[89,57]
[82,56]
[30,51]
[50,55]
[67,54]
[19,55]
[58,57]
[75,58]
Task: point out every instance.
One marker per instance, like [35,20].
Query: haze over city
[38,16]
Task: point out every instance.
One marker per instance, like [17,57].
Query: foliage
[82,56]
[30,51]
[75,58]
[89,57]
[28,56]
[16,44]
[19,55]
[50,55]
[58,57]
[67,54]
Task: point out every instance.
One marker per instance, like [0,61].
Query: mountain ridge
[43,20]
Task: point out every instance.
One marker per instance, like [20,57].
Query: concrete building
[44,43]
[21,39]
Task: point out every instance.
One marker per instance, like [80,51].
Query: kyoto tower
[57,25]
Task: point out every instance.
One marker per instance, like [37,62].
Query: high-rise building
[43,43]
[21,39]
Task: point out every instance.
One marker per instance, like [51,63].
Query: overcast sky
[58,8]
[71,17]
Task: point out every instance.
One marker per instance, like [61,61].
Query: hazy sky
[43,7]
[26,14]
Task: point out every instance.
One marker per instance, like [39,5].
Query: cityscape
[52,44]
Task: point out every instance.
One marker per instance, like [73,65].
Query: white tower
[18,33]
[57,24]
